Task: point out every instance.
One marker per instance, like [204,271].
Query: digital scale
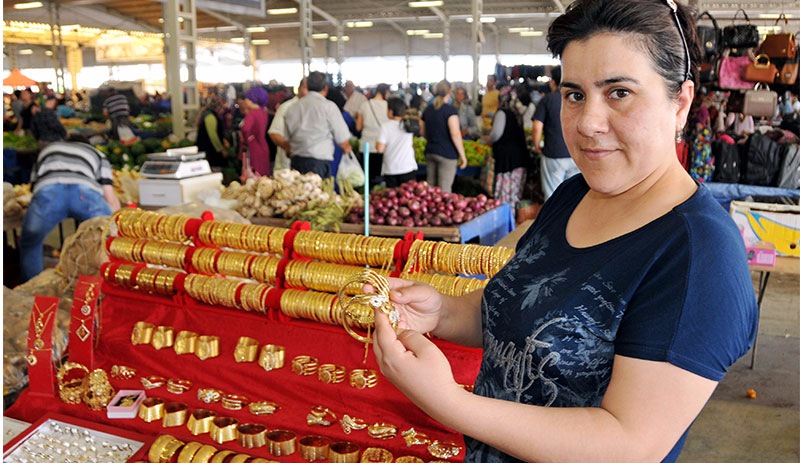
[176,163]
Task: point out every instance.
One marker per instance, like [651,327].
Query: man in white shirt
[397,146]
[354,98]
[277,131]
[312,125]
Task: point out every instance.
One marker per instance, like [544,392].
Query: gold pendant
[31,358]
[85,309]
[38,344]
[83,332]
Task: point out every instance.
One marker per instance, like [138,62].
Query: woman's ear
[684,103]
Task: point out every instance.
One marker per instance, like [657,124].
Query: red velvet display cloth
[296,395]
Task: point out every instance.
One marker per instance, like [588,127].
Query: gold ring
[263,407]
[382,431]
[363,378]
[152,409]
[376,455]
[152,382]
[163,336]
[414,437]
[252,435]
[349,424]
[272,357]
[208,395]
[234,402]
[408,459]
[174,414]
[281,442]
[142,333]
[185,342]
[207,347]
[320,415]
[223,429]
[200,421]
[188,452]
[443,449]
[304,365]
[313,448]
[178,386]
[343,452]
[329,373]
[122,372]
[246,350]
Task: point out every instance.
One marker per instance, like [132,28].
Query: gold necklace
[39,325]
[83,332]
[86,309]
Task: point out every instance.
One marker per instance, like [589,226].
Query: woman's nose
[593,118]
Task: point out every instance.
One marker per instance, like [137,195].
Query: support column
[446,45]
[306,41]
[56,45]
[477,43]
[74,65]
[340,49]
[180,32]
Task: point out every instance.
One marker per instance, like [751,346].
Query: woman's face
[618,122]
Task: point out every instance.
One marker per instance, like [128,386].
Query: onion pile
[417,204]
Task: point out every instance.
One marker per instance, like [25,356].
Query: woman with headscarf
[444,152]
[254,134]
[210,139]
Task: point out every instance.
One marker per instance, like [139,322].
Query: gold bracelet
[382,431]
[234,401]
[170,450]
[343,452]
[163,337]
[263,407]
[223,429]
[313,448]
[178,386]
[207,347]
[142,333]
[376,455]
[152,382]
[188,452]
[252,435]
[241,458]
[304,365]
[443,449]
[185,342]
[272,357]
[221,456]
[329,373]
[246,350]
[152,409]
[349,424]
[161,446]
[200,421]
[363,378]
[204,454]
[408,459]
[71,386]
[209,395]
[281,442]
[320,415]
[174,414]
[97,391]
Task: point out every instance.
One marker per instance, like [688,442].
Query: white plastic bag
[350,169]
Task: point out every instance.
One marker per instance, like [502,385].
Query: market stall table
[783,264]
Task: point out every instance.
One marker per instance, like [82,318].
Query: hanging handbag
[761,70]
[710,38]
[779,45]
[788,74]
[708,72]
[740,35]
[731,72]
[760,102]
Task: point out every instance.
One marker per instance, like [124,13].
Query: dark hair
[335,95]
[383,89]
[555,74]
[397,106]
[316,81]
[651,23]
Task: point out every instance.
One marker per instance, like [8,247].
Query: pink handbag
[732,71]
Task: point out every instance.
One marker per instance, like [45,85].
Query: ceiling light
[531,34]
[237,39]
[48,52]
[484,19]
[256,29]
[282,11]
[426,4]
[359,24]
[774,16]
[260,42]
[26,51]
[320,36]
[28,5]
[517,30]
[433,35]
[334,38]
[417,31]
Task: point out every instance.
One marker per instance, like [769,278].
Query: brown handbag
[760,102]
[761,70]
[779,45]
[788,74]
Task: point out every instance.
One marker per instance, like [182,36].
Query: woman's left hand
[414,364]
[463,164]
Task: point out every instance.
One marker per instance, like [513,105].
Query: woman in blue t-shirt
[444,151]
[627,299]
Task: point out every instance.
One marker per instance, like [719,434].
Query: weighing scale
[176,163]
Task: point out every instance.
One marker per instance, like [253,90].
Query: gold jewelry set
[77,384]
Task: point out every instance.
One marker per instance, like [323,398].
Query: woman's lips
[596,153]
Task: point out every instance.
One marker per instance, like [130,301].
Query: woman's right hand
[419,304]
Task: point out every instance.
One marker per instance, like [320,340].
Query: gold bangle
[343,452]
[408,459]
[241,458]
[97,392]
[207,347]
[349,424]
[252,435]
[363,378]
[163,337]
[304,365]
[246,350]
[142,333]
[174,414]
[209,395]
[223,429]
[152,409]
[234,401]
[221,456]
[204,454]
[272,357]
[414,437]
[382,431]
[261,460]
[70,386]
[188,452]
[263,407]
[313,448]
[281,442]
[178,386]
[200,421]
[329,373]
[170,449]
[376,455]
[161,446]
[152,382]
[320,415]
[185,342]
[443,449]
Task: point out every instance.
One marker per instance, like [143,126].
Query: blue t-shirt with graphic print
[676,290]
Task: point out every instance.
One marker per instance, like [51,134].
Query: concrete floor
[734,428]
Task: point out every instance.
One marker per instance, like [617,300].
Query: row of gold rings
[305,365]
[235,401]
[449,285]
[308,304]
[171,414]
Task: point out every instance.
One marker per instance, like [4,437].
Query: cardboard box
[776,224]
[174,192]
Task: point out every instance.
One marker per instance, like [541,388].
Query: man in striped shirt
[117,110]
[69,179]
